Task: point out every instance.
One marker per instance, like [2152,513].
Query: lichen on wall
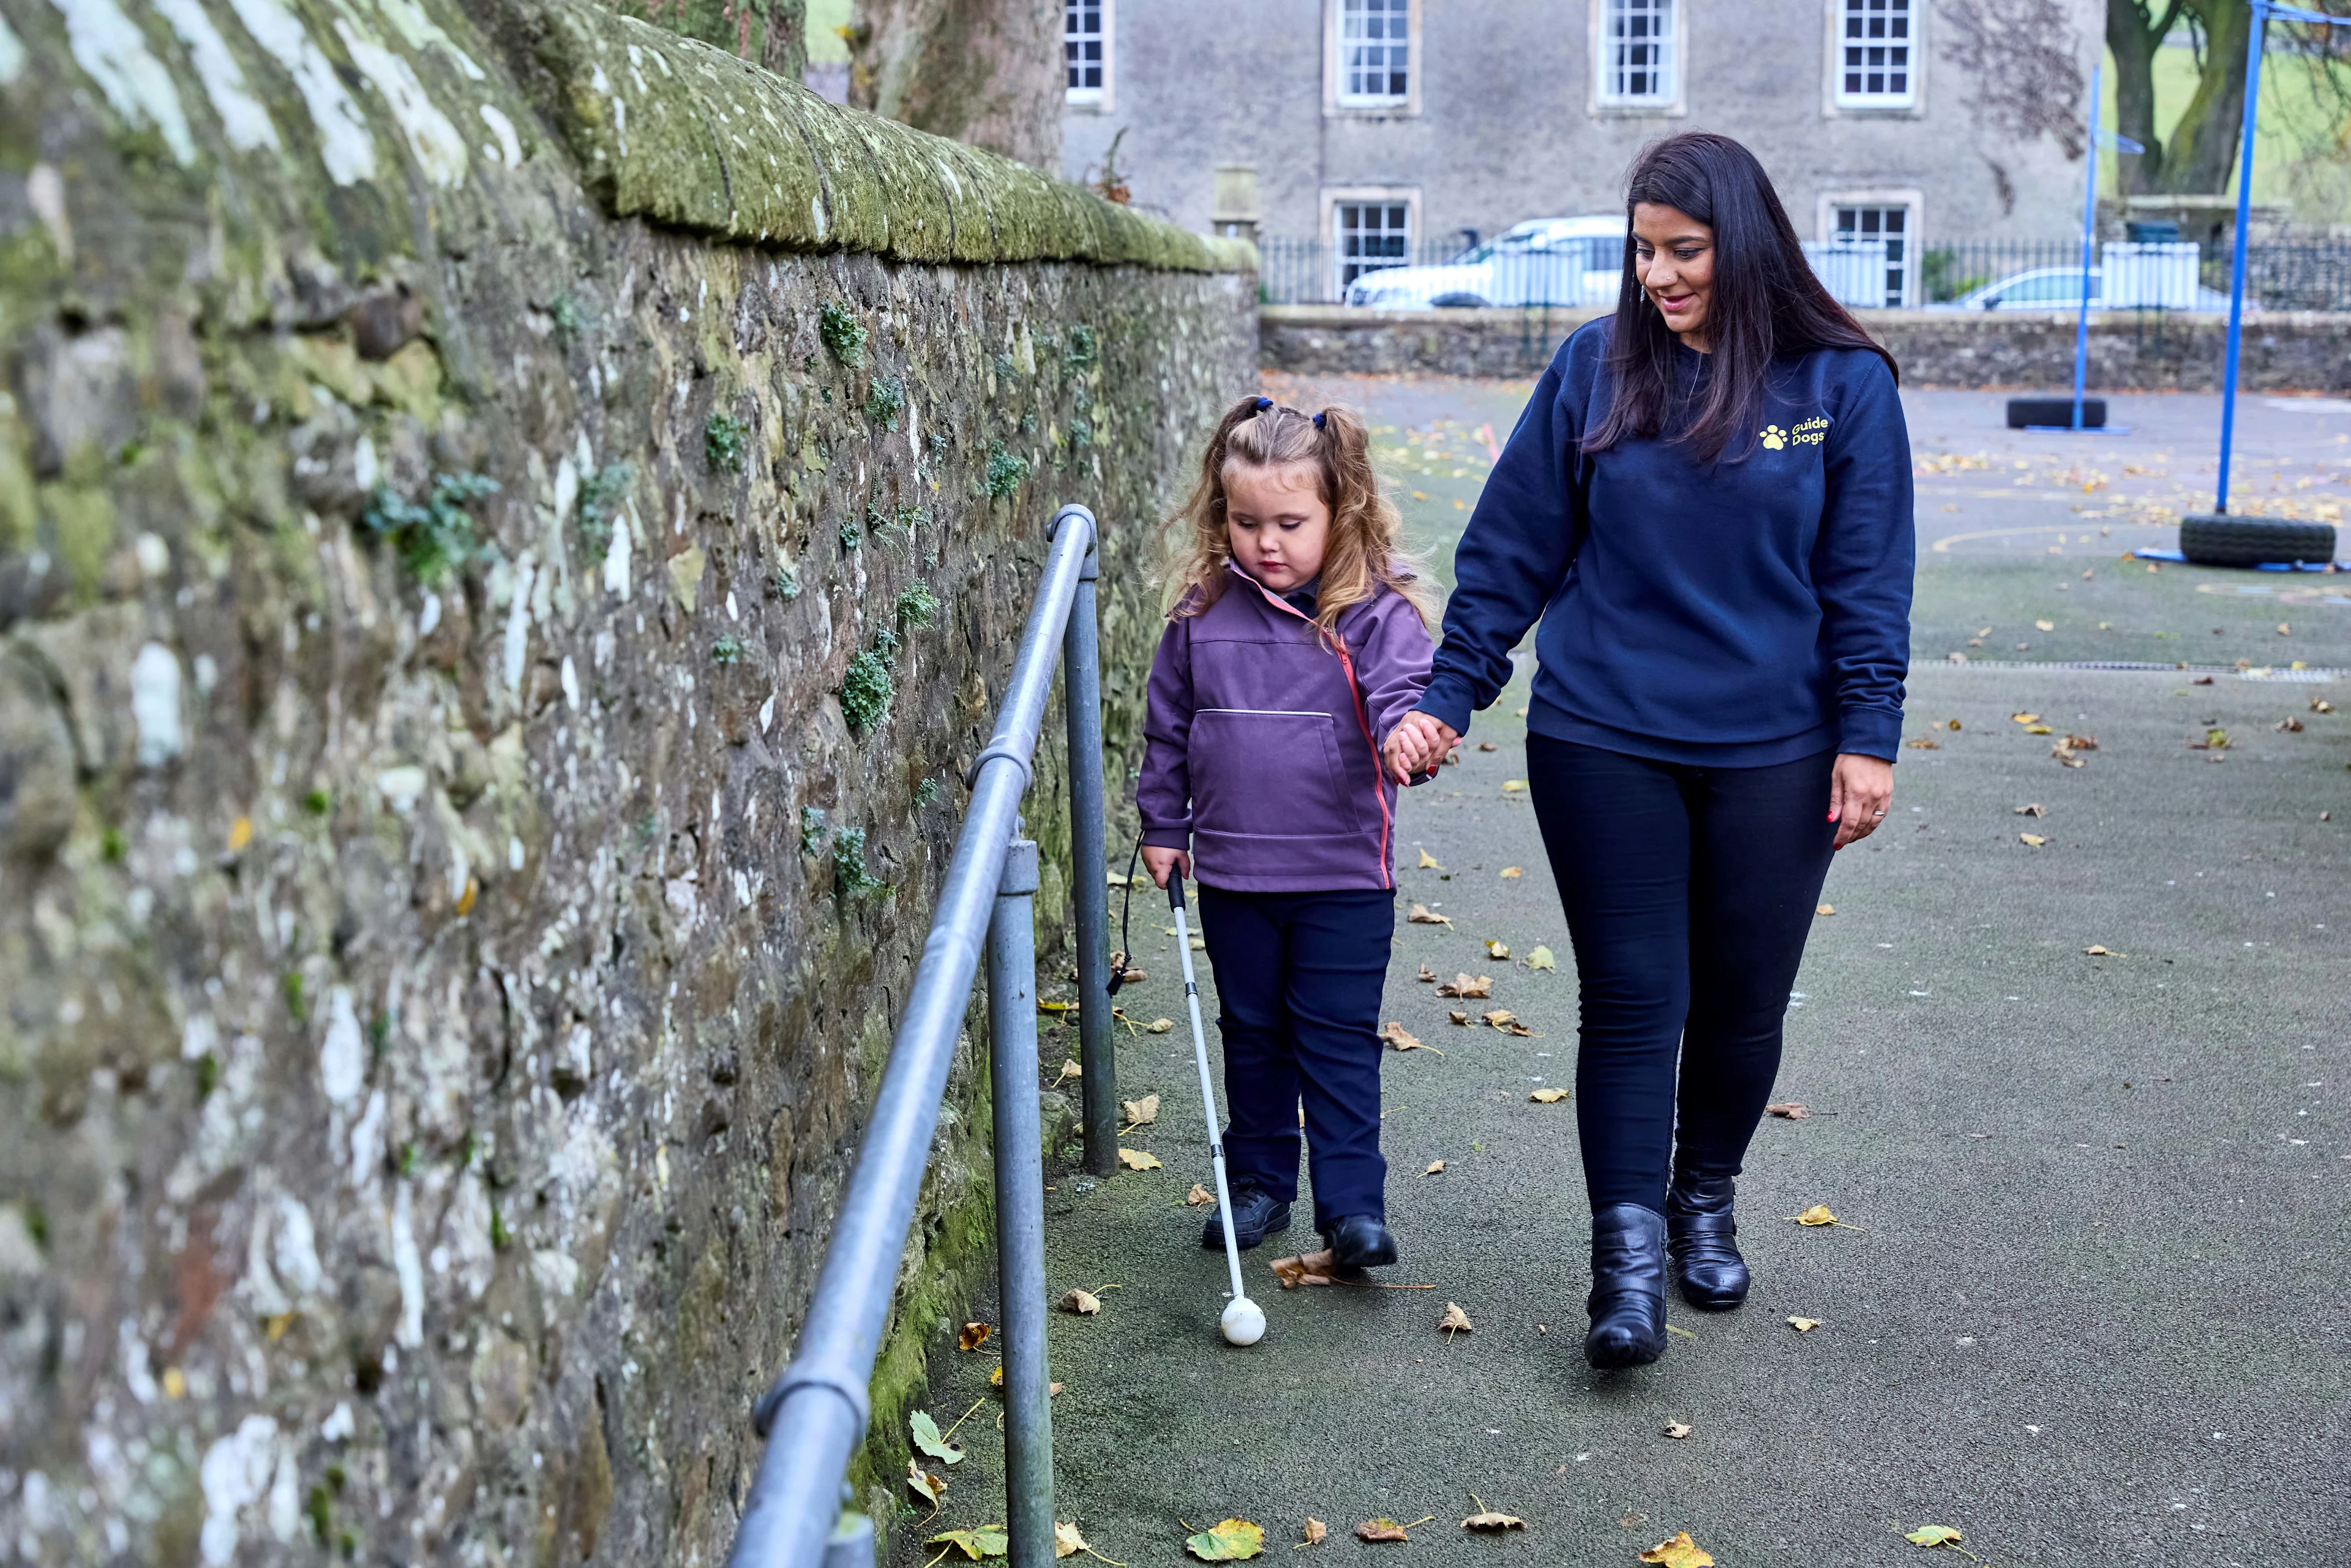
[458,898]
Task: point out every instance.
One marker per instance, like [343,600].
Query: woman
[1707,504]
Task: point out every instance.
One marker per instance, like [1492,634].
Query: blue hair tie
[1318,422]
[1263,403]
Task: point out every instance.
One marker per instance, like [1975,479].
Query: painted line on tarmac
[2258,674]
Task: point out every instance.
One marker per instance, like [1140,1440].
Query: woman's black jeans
[1690,891]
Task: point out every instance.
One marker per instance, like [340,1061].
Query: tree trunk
[772,32]
[2203,150]
[2135,35]
[988,72]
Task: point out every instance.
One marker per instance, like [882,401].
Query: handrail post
[1020,1210]
[1089,856]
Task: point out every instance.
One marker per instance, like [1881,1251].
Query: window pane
[1081,45]
[1875,50]
[1371,235]
[1373,43]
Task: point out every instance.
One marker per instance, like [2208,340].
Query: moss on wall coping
[681,134]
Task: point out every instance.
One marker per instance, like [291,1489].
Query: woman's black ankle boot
[1628,1286]
[1699,1233]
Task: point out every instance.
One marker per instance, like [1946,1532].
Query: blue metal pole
[2237,257]
[2089,230]
[1090,859]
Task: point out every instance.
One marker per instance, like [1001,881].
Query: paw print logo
[1774,438]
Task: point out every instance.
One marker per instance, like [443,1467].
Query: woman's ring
[1880,813]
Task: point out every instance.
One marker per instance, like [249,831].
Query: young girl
[1297,638]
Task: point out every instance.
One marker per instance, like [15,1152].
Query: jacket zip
[1363,722]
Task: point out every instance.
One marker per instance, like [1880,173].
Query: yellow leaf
[1512,785]
[1429,861]
[1397,1035]
[1198,1195]
[986,1540]
[1434,1166]
[1500,1017]
[1046,1007]
[1540,958]
[176,1383]
[1498,950]
[1817,1215]
[2024,718]
[2100,950]
[2046,625]
[1070,1070]
[1159,1026]
[1680,1552]
[974,1335]
[1084,1303]
[1803,1325]
[1227,1542]
[1933,1536]
[1924,745]
[1548,1096]
[1825,909]
[465,900]
[1454,1322]
[1141,1112]
[1422,915]
[1513,871]
[1138,1160]
[2035,839]
[240,833]
[1067,1541]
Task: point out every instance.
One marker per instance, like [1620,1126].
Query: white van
[1574,262]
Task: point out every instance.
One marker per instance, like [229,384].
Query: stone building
[1400,127]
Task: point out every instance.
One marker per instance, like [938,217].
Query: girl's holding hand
[1297,640]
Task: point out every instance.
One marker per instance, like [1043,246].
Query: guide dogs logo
[1811,432]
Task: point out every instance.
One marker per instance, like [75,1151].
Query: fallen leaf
[1461,1019]
[1485,746]
[1429,861]
[1817,1215]
[1138,1160]
[2045,626]
[2320,704]
[2024,718]
[929,1488]
[1316,1530]
[1803,1325]
[974,1335]
[1380,1529]
[2037,729]
[1084,1303]
[2035,839]
[1068,1070]
[1046,1007]
[1427,976]
[1491,1519]
[2082,742]
[1548,1096]
[928,1439]
[1952,725]
[1434,1166]
[1159,1026]
[1933,1536]
[240,833]
[1680,1552]
[2290,724]
[1067,1541]
[1198,1195]
[1498,950]
[1421,915]
[1397,1035]
[1677,1429]
[1789,1109]
[1227,1542]
[1825,909]
[1513,871]
[1540,958]
[1923,745]
[1307,1268]
[1464,987]
[1454,1322]
[1512,785]
[2035,809]
[2201,681]
[2100,950]
[1141,1112]
[986,1540]
[1137,880]
[1500,1017]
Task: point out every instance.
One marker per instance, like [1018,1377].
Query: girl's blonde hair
[1366,546]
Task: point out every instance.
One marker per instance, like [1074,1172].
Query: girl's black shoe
[1699,1233]
[1628,1286]
[1359,1241]
[1256,1216]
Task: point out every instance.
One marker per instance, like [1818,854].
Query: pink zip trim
[1363,722]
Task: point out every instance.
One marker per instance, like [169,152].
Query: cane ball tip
[1244,1321]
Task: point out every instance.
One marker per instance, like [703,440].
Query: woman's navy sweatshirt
[1740,614]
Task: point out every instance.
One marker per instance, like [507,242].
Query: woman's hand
[1417,744]
[1861,791]
[1159,863]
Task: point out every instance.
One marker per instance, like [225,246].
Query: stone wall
[2029,351]
[511,525]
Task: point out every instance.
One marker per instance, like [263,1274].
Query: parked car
[1545,261]
[2058,288]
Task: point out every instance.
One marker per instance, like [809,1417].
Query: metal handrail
[815,1415]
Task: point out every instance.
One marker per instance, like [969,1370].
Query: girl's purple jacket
[1262,741]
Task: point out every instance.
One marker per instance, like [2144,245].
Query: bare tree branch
[2022,56]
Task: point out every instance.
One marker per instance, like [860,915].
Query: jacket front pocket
[1271,775]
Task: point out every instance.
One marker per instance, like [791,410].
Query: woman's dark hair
[1765,301]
